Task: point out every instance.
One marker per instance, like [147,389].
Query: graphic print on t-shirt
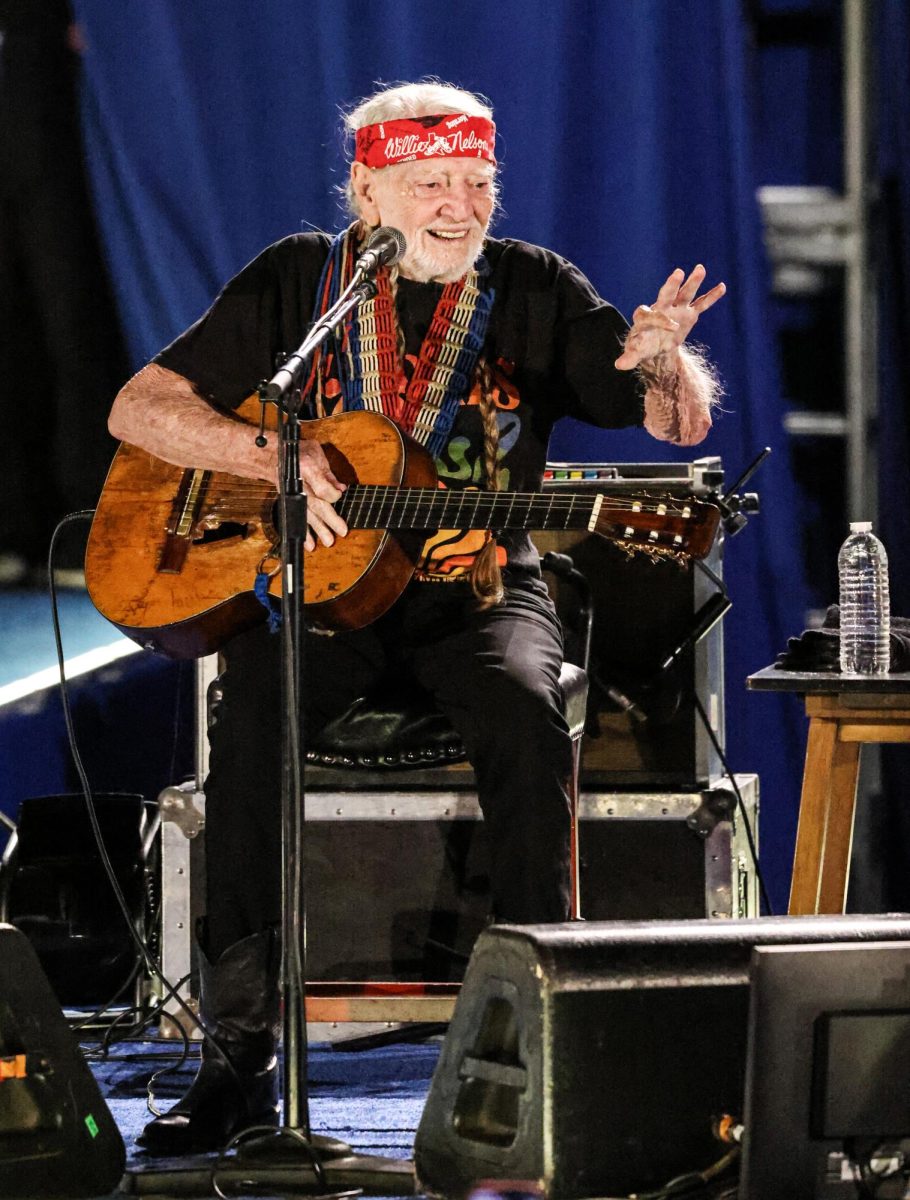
[447,555]
[450,553]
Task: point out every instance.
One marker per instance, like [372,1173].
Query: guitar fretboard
[374,507]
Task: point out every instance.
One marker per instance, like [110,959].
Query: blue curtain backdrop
[625,142]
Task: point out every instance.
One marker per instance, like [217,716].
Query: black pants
[494,673]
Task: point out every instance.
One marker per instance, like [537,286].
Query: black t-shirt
[551,343]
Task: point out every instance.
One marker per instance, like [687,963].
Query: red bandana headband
[452,135]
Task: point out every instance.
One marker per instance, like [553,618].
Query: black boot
[238,1004]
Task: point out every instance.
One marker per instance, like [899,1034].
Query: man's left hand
[659,329]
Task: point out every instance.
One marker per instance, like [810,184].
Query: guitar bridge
[178,536]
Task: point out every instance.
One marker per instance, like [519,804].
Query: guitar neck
[666,524]
[370,507]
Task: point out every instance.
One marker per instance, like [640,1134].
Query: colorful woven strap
[369,366]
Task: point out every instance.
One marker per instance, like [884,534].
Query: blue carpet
[371,1099]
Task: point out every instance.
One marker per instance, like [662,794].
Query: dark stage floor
[372,1099]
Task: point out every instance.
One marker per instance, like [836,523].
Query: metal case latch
[718,804]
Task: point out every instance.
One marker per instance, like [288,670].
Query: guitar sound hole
[221,533]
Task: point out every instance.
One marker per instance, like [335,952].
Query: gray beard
[422,268]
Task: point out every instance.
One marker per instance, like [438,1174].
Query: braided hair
[485,574]
[486,577]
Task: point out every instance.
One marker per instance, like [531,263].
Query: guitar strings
[221,496]
[240,502]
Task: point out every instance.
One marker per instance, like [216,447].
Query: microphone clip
[736,508]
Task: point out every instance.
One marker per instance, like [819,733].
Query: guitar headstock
[659,526]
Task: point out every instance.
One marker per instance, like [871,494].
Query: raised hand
[661,327]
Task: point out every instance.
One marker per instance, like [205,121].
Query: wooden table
[844,714]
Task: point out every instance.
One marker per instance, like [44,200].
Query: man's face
[442,207]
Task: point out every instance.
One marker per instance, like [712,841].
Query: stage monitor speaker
[643,729]
[57,1136]
[54,887]
[598,1059]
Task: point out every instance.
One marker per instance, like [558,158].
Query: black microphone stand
[290,1159]
[284,390]
[295,1134]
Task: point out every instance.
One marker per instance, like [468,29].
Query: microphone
[385,247]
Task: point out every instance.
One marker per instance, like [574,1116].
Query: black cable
[283,1131]
[99,1012]
[637,713]
[865,1177]
[151,963]
[692,1183]
[181,672]
[741,805]
[151,1014]
[715,742]
[110,1030]
[148,1015]
[169,1068]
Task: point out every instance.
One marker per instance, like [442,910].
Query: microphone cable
[151,963]
[728,772]
[145,954]
[740,803]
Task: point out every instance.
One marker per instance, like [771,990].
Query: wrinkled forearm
[160,412]
[681,391]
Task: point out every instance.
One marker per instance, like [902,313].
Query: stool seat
[396,726]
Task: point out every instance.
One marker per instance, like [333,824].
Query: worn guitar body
[155,572]
[174,552]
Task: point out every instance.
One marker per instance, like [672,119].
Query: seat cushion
[391,726]
[396,726]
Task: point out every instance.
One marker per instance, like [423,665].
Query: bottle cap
[860,526]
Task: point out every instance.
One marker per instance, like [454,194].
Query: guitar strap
[370,372]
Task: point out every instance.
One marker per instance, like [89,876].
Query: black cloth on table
[819,649]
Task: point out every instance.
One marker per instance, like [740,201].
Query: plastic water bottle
[865,610]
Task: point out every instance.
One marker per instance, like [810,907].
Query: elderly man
[475,346]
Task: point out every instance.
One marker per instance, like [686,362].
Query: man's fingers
[324,521]
[692,284]
[709,298]
[668,293]
[651,324]
[323,487]
[317,474]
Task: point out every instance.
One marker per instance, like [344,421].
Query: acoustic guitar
[173,552]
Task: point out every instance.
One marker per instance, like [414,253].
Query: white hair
[424,99]
[396,101]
